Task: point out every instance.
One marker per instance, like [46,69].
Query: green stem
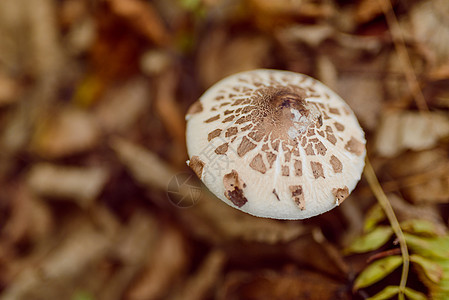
[389,212]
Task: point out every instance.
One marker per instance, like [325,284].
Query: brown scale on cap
[284,126]
[197,165]
[298,196]
[195,108]
[213,134]
[355,146]
[340,194]
[234,188]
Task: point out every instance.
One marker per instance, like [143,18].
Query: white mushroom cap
[275,144]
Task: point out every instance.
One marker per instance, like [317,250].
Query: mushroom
[275,144]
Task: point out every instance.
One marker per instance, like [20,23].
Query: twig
[399,45]
[386,206]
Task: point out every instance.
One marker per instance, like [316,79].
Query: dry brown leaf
[269,284]
[84,245]
[168,261]
[146,167]
[422,176]
[367,10]
[9,90]
[223,54]
[81,185]
[202,282]
[30,218]
[67,132]
[428,24]
[134,245]
[143,16]
[363,93]
[396,80]
[123,105]
[285,8]
[399,131]
[170,113]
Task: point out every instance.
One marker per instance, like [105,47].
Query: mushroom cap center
[283,112]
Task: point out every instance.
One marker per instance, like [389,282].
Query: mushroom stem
[389,212]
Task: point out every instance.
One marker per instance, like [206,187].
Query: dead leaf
[275,285]
[123,105]
[399,131]
[67,132]
[204,280]
[81,185]
[222,54]
[169,261]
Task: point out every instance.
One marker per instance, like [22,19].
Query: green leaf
[420,227]
[370,241]
[414,295]
[376,271]
[433,248]
[82,295]
[374,215]
[391,290]
[386,293]
[432,270]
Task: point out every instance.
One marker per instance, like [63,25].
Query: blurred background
[96,201]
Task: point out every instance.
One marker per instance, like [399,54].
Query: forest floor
[93,95]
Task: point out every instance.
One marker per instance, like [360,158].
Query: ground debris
[96,198]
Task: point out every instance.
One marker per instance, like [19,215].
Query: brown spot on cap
[298,196]
[285,171]
[231,131]
[256,135]
[298,167]
[317,169]
[329,135]
[310,132]
[334,111]
[309,150]
[320,121]
[331,138]
[213,134]
[276,194]
[340,127]
[320,148]
[287,155]
[340,194]
[355,146]
[275,145]
[228,119]
[243,119]
[214,118]
[271,157]
[222,149]
[325,116]
[234,188]
[257,164]
[195,108]
[245,146]
[245,128]
[197,165]
[336,164]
